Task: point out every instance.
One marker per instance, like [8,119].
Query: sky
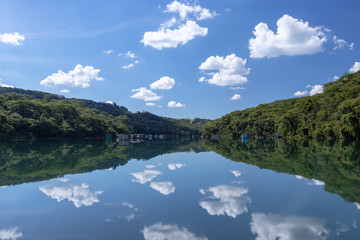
[181,59]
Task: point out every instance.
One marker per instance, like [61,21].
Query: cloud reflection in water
[79,195]
[10,233]
[230,200]
[161,231]
[145,176]
[164,188]
[272,227]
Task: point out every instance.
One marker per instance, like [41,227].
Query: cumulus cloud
[79,195]
[10,233]
[164,188]
[175,104]
[131,65]
[174,166]
[293,37]
[64,91]
[109,102]
[79,77]
[316,89]
[180,30]
[236,173]
[171,38]
[355,68]
[145,176]
[14,39]
[287,227]
[231,70]
[230,200]
[300,93]
[164,83]
[184,10]
[235,97]
[5,85]
[160,231]
[145,94]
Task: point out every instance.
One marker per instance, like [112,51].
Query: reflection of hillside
[29,161]
[337,164]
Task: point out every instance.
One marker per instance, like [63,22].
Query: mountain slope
[40,114]
[335,113]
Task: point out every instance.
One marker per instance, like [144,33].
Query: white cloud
[14,39]
[130,54]
[184,10]
[160,231]
[340,43]
[5,85]
[131,65]
[150,104]
[174,166]
[130,217]
[145,94]
[109,102]
[10,234]
[236,173]
[268,227]
[108,51]
[164,83]
[202,79]
[164,188]
[336,77]
[316,89]
[175,104]
[145,176]
[355,68]
[231,201]
[79,195]
[235,97]
[231,70]
[300,93]
[293,37]
[79,77]
[64,91]
[168,38]
[237,88]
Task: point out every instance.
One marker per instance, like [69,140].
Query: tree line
[26,113]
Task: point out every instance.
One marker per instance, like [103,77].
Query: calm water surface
[179,190]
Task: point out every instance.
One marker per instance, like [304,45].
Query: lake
[179,189]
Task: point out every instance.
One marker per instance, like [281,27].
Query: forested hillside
[335,113]
[26,113]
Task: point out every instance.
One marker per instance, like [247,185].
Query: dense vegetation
[334,163]
[333,114]
[37,160]
[39,114]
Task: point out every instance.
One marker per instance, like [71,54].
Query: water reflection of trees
[29,161]
[337,164]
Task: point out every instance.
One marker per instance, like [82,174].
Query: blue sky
[181,59]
